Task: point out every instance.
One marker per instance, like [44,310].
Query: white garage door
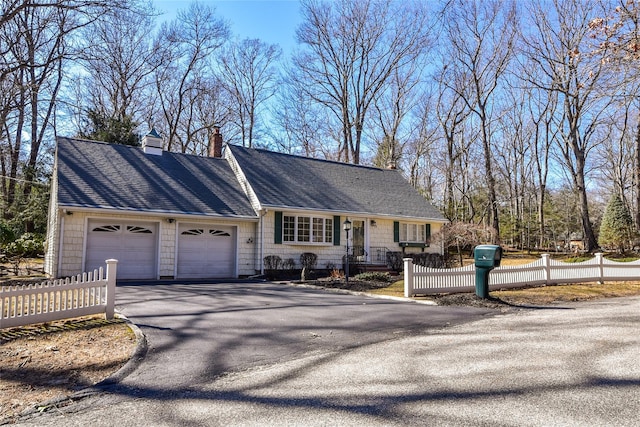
[133,244]
[206,251]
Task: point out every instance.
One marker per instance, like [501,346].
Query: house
[169,215]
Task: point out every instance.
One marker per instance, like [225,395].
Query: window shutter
[277,229]
[427,231]
[336,231]
[396,231]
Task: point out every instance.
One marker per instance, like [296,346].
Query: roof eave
[151,212]
[355,213]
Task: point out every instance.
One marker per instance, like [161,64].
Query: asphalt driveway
[267,354]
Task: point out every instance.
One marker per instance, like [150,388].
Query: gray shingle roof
[100,175]
[286,181]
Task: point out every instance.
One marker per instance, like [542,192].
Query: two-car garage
[201,250]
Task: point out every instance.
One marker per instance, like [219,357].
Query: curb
[358,293]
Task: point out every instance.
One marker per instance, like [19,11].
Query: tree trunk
[589,236]
[637,176]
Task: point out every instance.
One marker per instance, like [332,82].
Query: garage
[206,251]
[133,244]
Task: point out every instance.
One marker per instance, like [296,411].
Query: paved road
[264,354]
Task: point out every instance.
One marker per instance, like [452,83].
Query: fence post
[600,261]
[547,268]
[112,268]
[408,277]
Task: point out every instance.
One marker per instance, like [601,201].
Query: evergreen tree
[617,225]
[109,129]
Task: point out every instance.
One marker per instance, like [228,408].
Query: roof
[287,181]
[112,176]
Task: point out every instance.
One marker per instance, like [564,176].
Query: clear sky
[272,21]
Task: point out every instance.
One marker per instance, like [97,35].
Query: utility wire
[24,180]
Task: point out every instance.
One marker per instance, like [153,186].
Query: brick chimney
[215,143]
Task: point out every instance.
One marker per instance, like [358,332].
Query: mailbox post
[486,257]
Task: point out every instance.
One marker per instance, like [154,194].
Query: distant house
[170,215]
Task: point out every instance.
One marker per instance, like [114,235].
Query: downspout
[60,246]
[262,212]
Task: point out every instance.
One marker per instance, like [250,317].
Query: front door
[358,241]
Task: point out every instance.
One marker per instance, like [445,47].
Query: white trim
[161,214]
[262,213]
[296,229]
[175,249]
[85,237]
[60,245]
[365,224]
[370,215]
[242,179]
[235,230]
[156,222]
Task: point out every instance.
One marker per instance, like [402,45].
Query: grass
[566,293]
[543,294]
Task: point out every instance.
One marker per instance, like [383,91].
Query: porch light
[346,226]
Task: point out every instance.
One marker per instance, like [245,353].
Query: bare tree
[183,51]
[616,156]
[39,44]
[392,108]
[249,74]
[482,37]
[618,32]
[37,39]
[117,66]
[419,152]
[207,110]
[300,120]
[350,51]
[576,77]
[451,112]
[541,111]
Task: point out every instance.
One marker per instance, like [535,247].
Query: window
[289,229]
[193,232]
[138,230]
[107,228]
[306,229]
[413,233]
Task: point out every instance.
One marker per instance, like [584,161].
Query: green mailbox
[486,257]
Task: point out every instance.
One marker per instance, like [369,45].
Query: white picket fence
[82,295]
[545,271]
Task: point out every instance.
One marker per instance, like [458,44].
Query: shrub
[272,262]
[6,233]
[288,264]
[394,260]
[428,260]
[27,245]
[374,276]
[308,260]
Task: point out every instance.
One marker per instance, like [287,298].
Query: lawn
[540,295]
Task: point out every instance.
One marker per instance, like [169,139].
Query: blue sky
[271,21]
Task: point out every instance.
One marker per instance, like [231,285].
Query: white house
[166,215]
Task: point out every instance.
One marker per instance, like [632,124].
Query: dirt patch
[472,300]
[353,285]
[464,299]
[54,360]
